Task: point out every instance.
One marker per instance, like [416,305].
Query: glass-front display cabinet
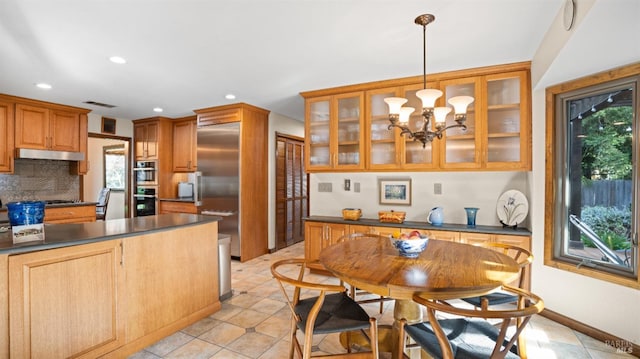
[507,144]
[383,143]
[334,132]
[461,147]
[387,148]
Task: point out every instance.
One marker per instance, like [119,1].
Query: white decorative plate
[512,207]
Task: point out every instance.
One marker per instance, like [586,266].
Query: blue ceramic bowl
[410,248]
[25,212]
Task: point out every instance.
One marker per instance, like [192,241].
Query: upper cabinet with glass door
[507,139]
[334,132]
[382,144]
[461,148]
[341,136]
[387,149]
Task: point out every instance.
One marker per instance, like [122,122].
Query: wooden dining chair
[522,256]
[469,333]
[320,308]
[353,291]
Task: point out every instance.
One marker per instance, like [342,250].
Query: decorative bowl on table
[410,247]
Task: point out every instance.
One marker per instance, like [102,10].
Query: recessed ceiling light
[230,96]
[117,60]
[157,109]
[43,86]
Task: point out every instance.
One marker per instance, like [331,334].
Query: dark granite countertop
[64,235]
[424,225]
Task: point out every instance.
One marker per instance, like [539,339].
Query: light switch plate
[437,188]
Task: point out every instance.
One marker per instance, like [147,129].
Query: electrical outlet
[347,185]
[437,188]
[356,187]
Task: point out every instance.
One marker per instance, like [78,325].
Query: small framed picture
[395,191]
[109,125]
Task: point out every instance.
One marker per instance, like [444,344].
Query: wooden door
[32,127]
[6,134]
[315,235]
[184,146]
[64,131]
[292,200]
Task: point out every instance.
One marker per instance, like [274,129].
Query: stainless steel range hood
[49,155]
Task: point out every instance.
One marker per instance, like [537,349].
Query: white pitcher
[436,216]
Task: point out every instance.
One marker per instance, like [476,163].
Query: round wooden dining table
[444,270]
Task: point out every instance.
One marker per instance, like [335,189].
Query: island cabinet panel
[66,302]
[4,305]
[171,282]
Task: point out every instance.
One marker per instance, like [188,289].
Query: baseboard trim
[622,345]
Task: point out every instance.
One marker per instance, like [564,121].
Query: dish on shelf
[512,207]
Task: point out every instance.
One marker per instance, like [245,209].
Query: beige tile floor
[254,323]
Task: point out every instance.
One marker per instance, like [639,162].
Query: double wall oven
[146,188]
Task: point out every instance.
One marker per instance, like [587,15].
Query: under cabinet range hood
[49,155]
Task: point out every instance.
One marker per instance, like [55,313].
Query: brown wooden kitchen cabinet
[323,233]
[32,124]
[334,132]
[185,152]
[153,141]
[66,302]
[498,135]
[386,149]
[145,138]
[6,134]
[44,128]
[176,207]
[70,214]
[319,235]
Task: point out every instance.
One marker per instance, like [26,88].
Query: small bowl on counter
[410,247]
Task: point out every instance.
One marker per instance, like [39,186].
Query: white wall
[93,181]
[285,125]
[605,37]
[459,190]
[124,127]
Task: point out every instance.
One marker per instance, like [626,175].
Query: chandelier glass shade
[399,115]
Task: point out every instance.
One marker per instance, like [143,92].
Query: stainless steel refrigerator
[219,163]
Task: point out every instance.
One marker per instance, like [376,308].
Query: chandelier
[399,116]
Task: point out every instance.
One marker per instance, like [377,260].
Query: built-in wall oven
[145,201]
[146,173]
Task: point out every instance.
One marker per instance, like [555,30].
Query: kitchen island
[107,288]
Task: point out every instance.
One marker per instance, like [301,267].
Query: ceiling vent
[99,104]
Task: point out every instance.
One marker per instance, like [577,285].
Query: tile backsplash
[39,180]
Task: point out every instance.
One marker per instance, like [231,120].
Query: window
[114,167]
[592,179]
